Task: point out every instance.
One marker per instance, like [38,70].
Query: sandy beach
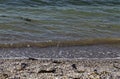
[31,68]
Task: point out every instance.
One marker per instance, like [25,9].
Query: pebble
[3,76]
[20,69]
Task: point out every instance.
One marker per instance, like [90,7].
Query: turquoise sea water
[46,20]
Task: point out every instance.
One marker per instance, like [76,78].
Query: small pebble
[23,65]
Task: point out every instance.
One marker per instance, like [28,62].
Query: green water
[32,22]
[60,28]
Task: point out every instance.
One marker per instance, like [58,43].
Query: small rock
[74,66]
[57,62]
[32,58]
[3,76]
[47,71]
[116,65]
[80,71]
[23,65]
[94,76]
[27,19]
[96,72]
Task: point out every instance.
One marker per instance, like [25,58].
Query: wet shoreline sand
[60,68]
[88,51]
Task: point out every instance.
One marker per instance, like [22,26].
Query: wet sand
[89,51]
[30,68]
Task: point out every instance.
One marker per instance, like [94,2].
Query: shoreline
[92,51]
[59,59]
[66,43]
[61,68]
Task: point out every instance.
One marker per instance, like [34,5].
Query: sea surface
[47,23]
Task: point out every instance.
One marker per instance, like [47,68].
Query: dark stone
[5,75]
[23,65]
[96,72]
[47,71]
[27,19]
[74,66]
[3,16]
[57,62]
[116,65]
[80,71]
[32,58]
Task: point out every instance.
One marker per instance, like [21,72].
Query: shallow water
[43,20]
[46,23]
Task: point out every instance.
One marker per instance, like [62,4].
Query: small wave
[84,42]
[59,2]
